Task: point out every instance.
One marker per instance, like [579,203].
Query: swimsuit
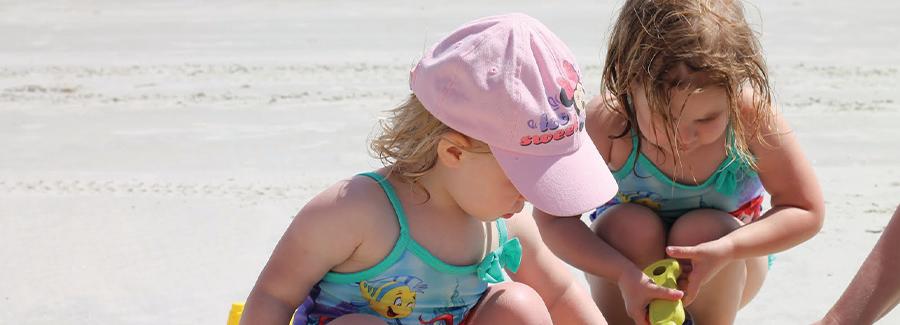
[734,188]
[410,286]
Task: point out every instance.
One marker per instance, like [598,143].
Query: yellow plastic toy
[234,316]
[237,309]
[665,312]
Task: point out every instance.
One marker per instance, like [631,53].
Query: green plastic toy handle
[665,312]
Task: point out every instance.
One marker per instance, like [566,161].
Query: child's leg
[510,303]
[638,234]
[735,284]
[757,269]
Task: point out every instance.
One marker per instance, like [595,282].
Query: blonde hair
[650,37]
[408,140]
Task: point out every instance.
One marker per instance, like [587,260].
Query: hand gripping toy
[665,312]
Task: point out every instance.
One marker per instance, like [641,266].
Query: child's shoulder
[335,226]
[759,116]
[355,202]
[605,126]
[602,116]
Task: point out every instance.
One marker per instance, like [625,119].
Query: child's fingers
[666,293]
[680,252]
[641,316]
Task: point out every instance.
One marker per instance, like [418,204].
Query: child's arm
[569,237]
[875,289]
[567,301]
[572,240]
[320,237]
[796,215]
[798,209]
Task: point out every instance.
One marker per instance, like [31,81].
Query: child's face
[481,188]
[700,115]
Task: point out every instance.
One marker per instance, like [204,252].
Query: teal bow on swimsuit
[728,175]
[508,255]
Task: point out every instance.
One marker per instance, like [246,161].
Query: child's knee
[700,226]
[518,295]
[520,303]
[630,223]
[634,230]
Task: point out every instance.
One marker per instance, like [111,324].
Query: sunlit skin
[476,183]
[699,111]
[701,125]
[875,290]
[700,117]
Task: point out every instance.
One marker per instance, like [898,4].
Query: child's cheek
[655,134]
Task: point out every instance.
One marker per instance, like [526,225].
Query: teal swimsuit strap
[392,197]
[724,178]
[501,230]
[404,242]
[733,158]
[629,163]
[396,253]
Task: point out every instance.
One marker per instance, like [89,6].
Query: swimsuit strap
[501,230]
[404,240]
[392,197]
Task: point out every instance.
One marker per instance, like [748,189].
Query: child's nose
[687,135]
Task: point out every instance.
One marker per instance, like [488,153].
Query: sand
[152,153]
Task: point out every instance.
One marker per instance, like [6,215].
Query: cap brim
[565,185]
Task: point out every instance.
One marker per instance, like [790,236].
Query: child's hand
[637,292]
[699,264]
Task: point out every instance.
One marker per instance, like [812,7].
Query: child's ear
[451,148]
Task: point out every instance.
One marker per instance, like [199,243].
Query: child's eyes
[709,119]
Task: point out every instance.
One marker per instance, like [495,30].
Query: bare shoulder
[348,202]
[325,233]
[774,137]
[782,166]
[603,124]
[341,215]
[753,117]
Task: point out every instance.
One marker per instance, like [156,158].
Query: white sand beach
[153,152]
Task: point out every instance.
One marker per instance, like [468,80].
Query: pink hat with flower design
[510,82]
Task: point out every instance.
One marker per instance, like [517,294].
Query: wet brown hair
[652,37]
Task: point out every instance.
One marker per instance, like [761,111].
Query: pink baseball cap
[509,82]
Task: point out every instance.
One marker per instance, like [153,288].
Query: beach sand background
[153,152]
